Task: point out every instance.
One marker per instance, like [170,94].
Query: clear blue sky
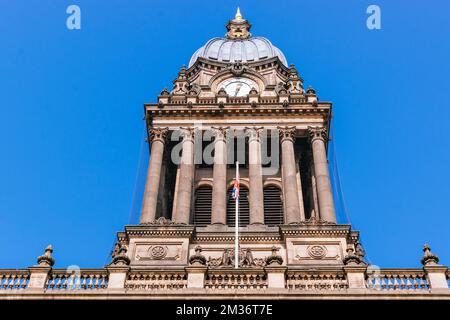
[71,106]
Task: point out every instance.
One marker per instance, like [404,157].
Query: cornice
[177,231]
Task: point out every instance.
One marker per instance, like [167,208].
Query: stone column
[289,176]
[324,193]
[157,137]
[184,196]
[255,177]
[219,192]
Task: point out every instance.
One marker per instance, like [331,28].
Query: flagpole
[236,231]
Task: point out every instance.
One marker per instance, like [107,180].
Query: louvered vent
[203,199]
[273,206]
[243,208]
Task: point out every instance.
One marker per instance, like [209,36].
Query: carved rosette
[253,133]
[317,133]
[287,133]
[157,134]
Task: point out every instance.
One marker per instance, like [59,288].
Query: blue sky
[71,107]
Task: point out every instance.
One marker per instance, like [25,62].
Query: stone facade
[184,242]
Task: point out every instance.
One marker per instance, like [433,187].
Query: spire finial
[238,14]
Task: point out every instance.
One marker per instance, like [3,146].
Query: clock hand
[237,89]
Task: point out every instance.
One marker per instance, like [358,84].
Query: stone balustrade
[398,279]
[307,281]
[14,279]
[230,279]
[77,279]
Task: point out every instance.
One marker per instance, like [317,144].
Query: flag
[236,188]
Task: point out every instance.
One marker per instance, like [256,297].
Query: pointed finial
[238,14]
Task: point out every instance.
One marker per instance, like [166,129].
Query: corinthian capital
[287,133]
[317,133]
[188,133]
[220,133]
[253,133]
[157,134]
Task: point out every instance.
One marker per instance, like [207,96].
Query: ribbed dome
[232,50]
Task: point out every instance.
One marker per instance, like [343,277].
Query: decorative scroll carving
[161,221]
[245,257]
[220,133]
[157,134]
[316,133]
[287,133]
[253,133]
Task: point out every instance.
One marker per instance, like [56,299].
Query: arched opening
[244,215]
[273,206]
[203,202]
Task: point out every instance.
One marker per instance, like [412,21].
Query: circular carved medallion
[158,252]
[317,252]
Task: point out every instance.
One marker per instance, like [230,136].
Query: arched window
[203,200]
[244,216]
[273,206]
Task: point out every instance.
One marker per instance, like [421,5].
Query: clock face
[238,87]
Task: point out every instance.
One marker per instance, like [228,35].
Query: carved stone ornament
[46,259]
[245,257]
[253,133]
[220,133]
[317,251]
[316,133]
[157,134]
[197,258]
[429,258]
[359,251]
[274,258]
[237,69]
[287,133]
[157,252]
[313,221]
[161,221]
[351,258]
[119,255]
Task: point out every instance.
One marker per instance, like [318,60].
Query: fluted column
[219,192]
[157,137]
[255,176]
[185,182]
[289,175]
[324,193]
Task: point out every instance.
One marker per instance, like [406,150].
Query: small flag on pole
[236,188]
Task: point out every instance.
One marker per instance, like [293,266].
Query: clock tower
[239,100]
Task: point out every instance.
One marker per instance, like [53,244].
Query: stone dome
[238,45]
[232,50]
